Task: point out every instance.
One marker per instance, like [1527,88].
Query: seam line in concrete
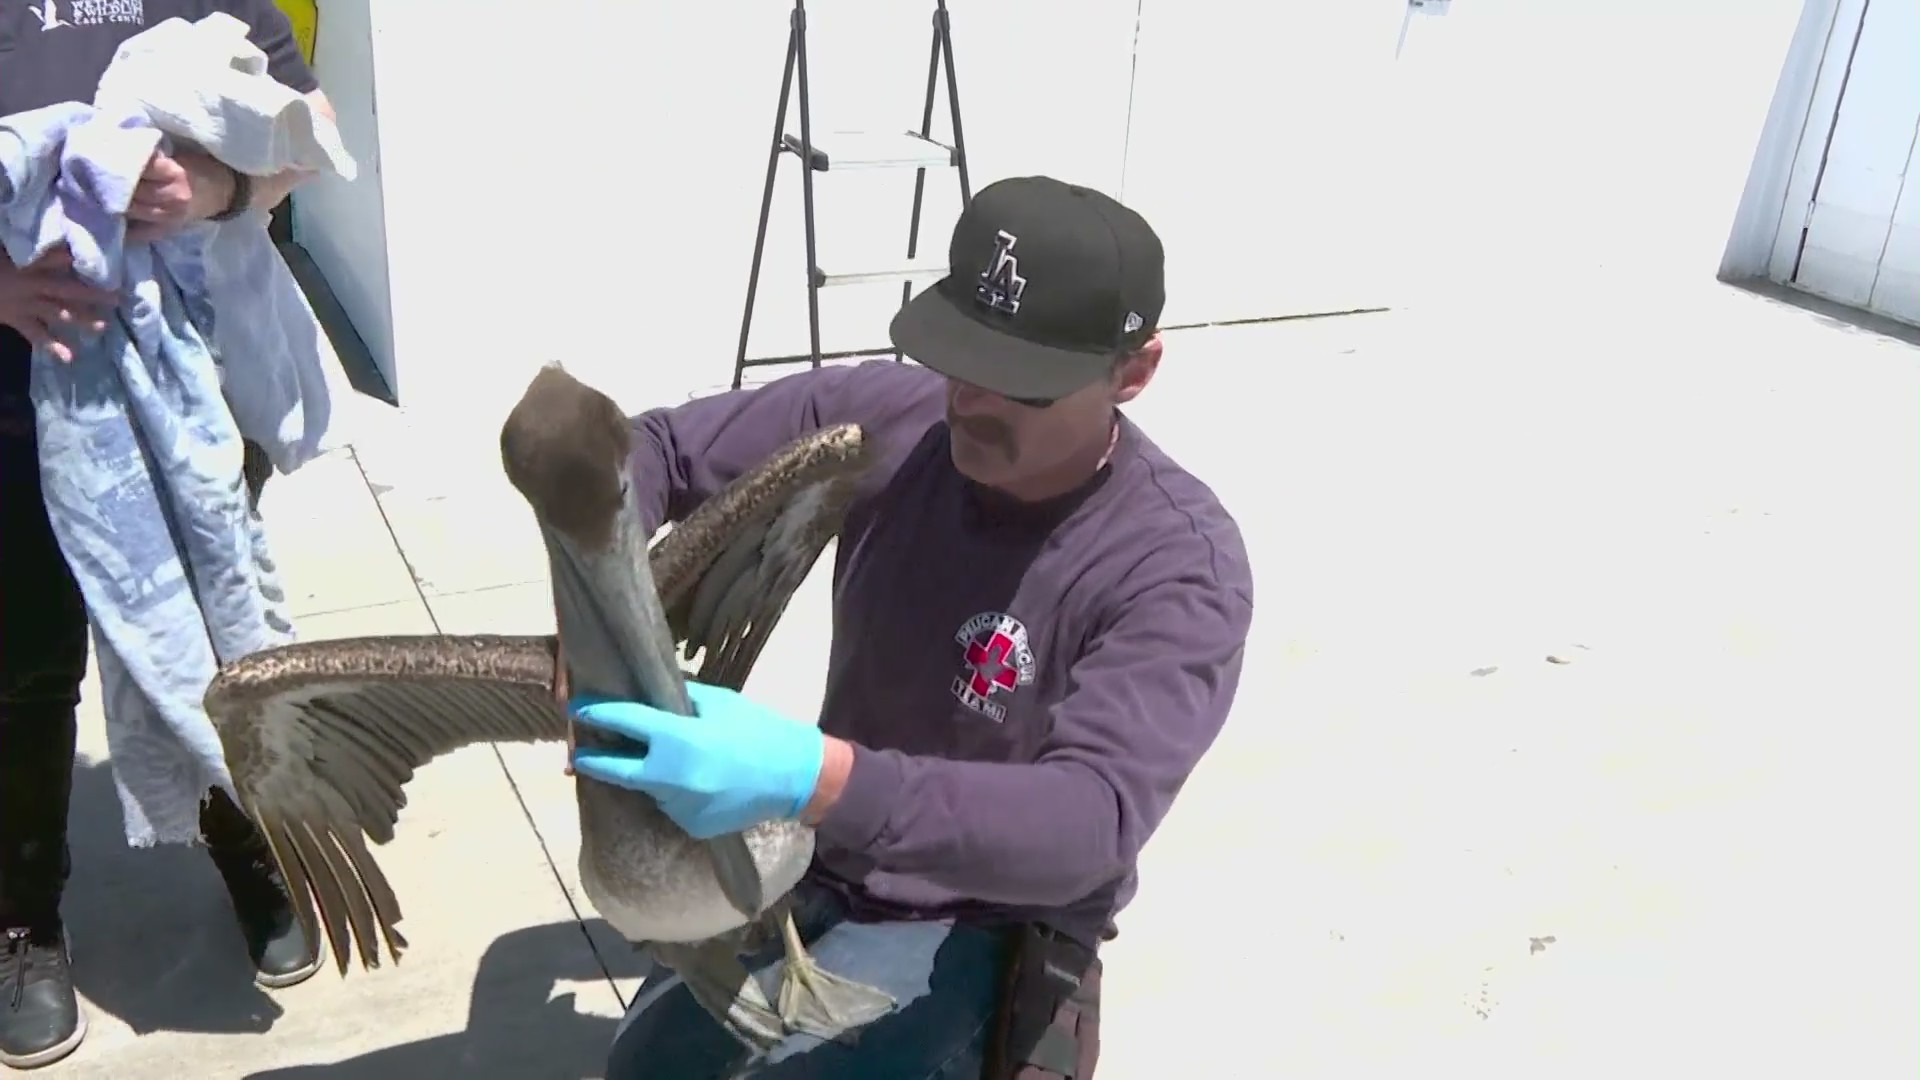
[546,852]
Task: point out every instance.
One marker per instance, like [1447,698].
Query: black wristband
[242,196]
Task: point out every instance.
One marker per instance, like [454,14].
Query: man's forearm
[1032,835]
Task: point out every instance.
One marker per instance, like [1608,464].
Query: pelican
[321,737]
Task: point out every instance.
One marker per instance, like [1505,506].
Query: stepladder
[843,151]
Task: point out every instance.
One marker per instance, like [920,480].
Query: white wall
[1512,154]
[342,224]
[584,187]
[1568,156]
[1261,149]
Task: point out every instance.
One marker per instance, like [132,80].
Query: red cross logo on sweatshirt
[997,660]
[991,671]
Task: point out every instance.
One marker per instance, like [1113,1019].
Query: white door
[1896,291]
[1256,149]
[1850,230]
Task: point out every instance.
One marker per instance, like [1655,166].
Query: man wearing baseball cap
[1039,625]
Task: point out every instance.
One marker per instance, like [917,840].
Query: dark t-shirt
[56,50]
[1029,686]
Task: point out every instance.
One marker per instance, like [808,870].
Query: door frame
[1756,225]
[363,371]
[1810,152]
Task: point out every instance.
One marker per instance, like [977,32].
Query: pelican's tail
[723,986]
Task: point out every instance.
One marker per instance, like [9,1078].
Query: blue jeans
[945,979]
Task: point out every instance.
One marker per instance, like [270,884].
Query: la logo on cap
[1001,285]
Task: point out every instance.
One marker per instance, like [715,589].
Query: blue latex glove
[731,766]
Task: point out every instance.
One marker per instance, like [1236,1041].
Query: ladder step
[874,150]
[924,269]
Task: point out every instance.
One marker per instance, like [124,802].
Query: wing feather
[749,610]
[336,897]
[323,736]
[734,569]
[299,886]
[385,904]
[726,573]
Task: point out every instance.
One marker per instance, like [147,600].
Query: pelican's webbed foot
[820,1003]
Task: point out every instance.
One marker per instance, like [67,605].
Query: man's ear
[1136,370]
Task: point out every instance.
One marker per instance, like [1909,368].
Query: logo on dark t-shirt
[89,13]
[995,658]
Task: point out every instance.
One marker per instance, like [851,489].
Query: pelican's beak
[608,613]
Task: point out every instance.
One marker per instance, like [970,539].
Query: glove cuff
[808,755]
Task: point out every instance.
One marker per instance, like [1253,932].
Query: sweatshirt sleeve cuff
[854,822]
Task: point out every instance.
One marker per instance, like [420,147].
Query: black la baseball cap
[1047,283]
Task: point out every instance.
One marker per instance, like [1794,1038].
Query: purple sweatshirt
[1027,687]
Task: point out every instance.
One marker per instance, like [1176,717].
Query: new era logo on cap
[1049,283]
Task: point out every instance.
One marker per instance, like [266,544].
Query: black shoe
[40,1018]
[282,953]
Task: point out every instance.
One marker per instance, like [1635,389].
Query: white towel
[205,82]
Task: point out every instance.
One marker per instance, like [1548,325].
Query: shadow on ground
[155,944]
[514,1030]
[154,939]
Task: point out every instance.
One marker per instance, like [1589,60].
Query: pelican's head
[565,447]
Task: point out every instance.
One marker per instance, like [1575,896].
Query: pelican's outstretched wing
[322,736]
[724,589]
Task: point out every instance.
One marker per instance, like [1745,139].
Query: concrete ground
[1576,738]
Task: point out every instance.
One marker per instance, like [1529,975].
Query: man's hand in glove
[732,766]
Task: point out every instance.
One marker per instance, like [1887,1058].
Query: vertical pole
[766,208]
[920,174]
[806,180]
[944,25]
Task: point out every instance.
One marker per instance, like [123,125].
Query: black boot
[282,954]
[40,1018]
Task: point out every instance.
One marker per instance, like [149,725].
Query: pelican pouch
[1048,1026]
